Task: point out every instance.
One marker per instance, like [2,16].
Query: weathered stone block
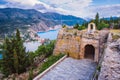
[74,44]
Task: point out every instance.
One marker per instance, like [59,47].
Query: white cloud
[2,6]
[71,7]
[24,2]
[107,10]
[80,8]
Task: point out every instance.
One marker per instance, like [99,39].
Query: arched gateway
[87,43]
[89,52]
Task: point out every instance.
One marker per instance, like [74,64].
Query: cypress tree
[76,26]
[6,61]
[111,19]
[97,19]
[15,58]
[16,63]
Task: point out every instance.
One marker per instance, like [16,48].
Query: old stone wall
[68,43]
[73,42]
[110,68]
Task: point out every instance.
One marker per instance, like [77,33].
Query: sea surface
[32,46]
[0,56]
[52,34]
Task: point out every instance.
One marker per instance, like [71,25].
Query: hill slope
[12,18]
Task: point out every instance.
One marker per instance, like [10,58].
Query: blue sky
[95,2]
[80,8]
[2,2]
[106,2]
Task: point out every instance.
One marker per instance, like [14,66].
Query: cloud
[80,8]
[24,2]
[107,10]
[69,4]
[71,7]
[2,6]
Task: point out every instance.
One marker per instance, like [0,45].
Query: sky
[80,8]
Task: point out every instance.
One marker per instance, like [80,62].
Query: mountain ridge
[12,18]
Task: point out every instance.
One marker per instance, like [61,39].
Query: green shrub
[46,50]
[51,60]
[102,25]
[64,26]
[81,27]
[76,26]
[98,67]
[30,75]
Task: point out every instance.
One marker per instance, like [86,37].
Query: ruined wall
[110,67]
[68,42]
[73,42]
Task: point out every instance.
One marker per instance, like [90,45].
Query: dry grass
[116,33]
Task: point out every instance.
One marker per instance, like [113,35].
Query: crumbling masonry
[87,43]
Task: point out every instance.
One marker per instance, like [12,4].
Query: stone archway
[89,52]
[91,28]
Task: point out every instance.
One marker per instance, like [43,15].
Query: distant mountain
[105,18]
[108,18]
[12,18]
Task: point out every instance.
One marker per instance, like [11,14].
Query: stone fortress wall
[87,43]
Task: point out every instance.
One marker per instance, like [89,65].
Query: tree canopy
[15,58]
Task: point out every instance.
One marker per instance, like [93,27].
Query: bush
[46,50]
[64,26]
[51,60]
[117,26]
[102,25]
[31,75]
[76,26]
[81,27]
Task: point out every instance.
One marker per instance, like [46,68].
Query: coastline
[51,34]
[48,30]
[0,56]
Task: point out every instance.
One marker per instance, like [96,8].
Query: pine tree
[111,19]
[5,64]
[16,63]
[97,19]
[31,75]
[15,58]
[21,53]
[76,26]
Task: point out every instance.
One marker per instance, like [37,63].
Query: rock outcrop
[110,67]
[41,26]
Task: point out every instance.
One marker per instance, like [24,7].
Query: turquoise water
[32,46]
[0,56]
[52,34]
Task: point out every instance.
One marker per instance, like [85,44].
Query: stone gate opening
[91,26]
[89,52]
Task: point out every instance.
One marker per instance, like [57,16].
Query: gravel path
[72,69]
